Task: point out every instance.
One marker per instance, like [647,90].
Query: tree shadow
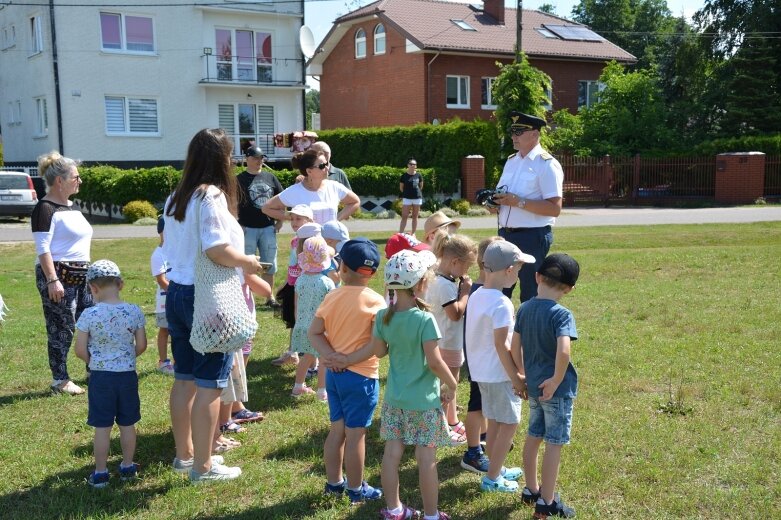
[11,399]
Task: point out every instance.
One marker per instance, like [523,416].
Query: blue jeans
[550,420]
[535,242]
[263,240]
[207,370]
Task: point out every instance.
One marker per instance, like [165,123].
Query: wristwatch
[521,203]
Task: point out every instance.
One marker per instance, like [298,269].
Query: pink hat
[316,255]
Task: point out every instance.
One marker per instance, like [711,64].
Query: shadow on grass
[11,399]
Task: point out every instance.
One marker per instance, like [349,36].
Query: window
[548,106]
[252,60]
[379,39]
[360,43]
[248,122]
[36,35]
[41,118]
[120,32]
[463,25]
[457,95]
[9,37]
[486,97]
[588,92]
[15,112]
[131,116]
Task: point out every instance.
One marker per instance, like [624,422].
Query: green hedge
[769,144]
[441,147]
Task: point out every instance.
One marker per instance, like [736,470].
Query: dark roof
[428,24]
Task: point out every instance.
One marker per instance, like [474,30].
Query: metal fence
[773,177]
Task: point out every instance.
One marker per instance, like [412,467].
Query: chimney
[495,8]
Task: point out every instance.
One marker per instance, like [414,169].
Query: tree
[547,8]
[613,19]
[312,105]
[521,87]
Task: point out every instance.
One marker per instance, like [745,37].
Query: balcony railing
[244,70]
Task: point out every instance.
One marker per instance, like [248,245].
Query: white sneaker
[69,387]
[216,472]
[166,367]
[184,466]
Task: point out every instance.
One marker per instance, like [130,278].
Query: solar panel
[574,33]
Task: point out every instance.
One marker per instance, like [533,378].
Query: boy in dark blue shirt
[544,330]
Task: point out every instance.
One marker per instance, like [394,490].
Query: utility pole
[518,31]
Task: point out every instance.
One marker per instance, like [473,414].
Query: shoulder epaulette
[546,156]
[512,155]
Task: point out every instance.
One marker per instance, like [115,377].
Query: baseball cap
[103,269]
[360,255]
[303,210]
[335,230]
[315,255]
[308,230]
[560,267]
[404,269]
[401,241]
[254,151]
[160,225]
[502,254]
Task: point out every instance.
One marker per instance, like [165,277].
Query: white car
[17,194]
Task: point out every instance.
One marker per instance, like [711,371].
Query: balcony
[244,71]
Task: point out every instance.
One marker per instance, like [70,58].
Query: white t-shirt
[61,231]
[487,310]
[112,328]
[159,265]
[443,291]
[217,227]
[324,202]
[537,176]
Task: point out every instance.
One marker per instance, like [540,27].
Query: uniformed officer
[533,180]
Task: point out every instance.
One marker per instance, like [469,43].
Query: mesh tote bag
[221,320]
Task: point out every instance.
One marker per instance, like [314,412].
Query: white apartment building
[132,85]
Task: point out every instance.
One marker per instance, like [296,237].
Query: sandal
[459,428]
[246,416]
[457,439]
[232,427]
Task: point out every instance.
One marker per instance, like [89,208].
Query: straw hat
[437,220]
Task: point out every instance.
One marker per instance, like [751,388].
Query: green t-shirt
[411,384]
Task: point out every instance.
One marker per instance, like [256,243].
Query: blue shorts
[113,397]
[263,240]
[550,420]
[352,398]
[207,370]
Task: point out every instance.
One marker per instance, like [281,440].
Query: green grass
[675,318]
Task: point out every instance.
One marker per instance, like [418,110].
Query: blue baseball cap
[361,255]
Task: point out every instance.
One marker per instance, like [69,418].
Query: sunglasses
[323,166]
[520,131]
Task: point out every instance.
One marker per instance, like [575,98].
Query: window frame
[359,39]
[380,36]
[487,83]
[9,36]
[549,95]
[41,117]
[15,112]
[588,83]
[235,133]
[36,35]
[126,116]
[233,61]
[123,34]
[467,81]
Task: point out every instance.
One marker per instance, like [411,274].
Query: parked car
[17,194]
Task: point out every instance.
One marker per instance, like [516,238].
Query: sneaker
[98,480]
[477,464]
[512,474]
[501,484]
[528,497]
[273,304]
[128,473]
[322,395]
[68,387]
[406,513]
[366,492]
[165,367]
[288,358]
[184,466]
[216,472]
[304,390]
[311,372]
[555,508]
[335,489]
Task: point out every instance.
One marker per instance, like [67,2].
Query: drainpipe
[57,101]
[428,86]
[303,75]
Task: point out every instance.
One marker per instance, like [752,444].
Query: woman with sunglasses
[316,191]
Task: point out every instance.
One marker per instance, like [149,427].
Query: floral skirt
[414,427]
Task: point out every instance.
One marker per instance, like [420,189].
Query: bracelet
[49,282]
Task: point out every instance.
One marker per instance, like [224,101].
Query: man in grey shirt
[334,174]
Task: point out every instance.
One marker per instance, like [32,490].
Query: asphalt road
[13,230]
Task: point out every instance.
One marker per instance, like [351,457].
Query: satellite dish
[307,41]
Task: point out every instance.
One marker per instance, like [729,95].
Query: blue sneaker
[511,473]
[335,489]
[366,492]
[478,464]
[129,473]
[501,484]
[98,480]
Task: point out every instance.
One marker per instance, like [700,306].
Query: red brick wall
[740,177]
[565,76]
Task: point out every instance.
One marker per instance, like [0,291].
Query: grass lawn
[671,319]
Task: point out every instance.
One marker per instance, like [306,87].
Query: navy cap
[519,120]
[254,151]
[561,268]
[361,255]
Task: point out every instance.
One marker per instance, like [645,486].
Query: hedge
[110,185]
[768,144]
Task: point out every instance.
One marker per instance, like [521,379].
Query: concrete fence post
[472,176]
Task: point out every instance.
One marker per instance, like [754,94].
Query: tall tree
[613,19]
[547,8]
[312,105]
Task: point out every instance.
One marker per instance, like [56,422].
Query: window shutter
[226,118]
[265,119]
[143,115]
[115,114]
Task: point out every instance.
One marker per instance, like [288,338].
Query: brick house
[401,62]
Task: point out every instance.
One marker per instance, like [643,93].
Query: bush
[396,206]
[137,209]
[769,144]
[462,206]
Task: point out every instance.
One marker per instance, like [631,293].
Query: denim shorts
[411,202]
[550,420]
[207,370]
[500,403]
[160,320]
[113,397]
[263,240]
[352,398]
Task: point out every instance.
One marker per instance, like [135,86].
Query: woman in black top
[411,188]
